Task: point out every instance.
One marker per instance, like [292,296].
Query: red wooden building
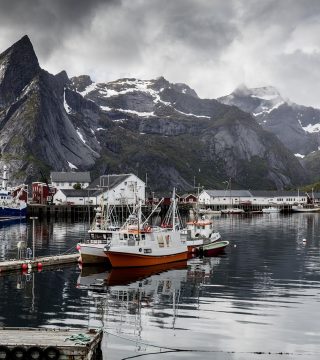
[42,193]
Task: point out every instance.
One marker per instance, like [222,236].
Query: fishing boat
[102,231]
[199,232]
[271,209]
[310,206]
[106,230]
[143,245]
[214,248]
[10,206]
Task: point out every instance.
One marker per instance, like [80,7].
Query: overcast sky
[212,45]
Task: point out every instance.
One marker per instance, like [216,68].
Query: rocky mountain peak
[18,66]
[80,83]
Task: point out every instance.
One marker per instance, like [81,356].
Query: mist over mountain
[152,128]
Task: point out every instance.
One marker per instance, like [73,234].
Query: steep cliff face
[36,132]
[152,128]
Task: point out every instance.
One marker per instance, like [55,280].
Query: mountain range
[162,132]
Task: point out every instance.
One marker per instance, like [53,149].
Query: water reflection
[266,286]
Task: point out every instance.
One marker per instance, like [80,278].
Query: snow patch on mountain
[71,166]
[66,106]
[266,110]
[3,68]
[299,156]
[194,115]
[80,136]
[311,128]
[142,114]
[88,89]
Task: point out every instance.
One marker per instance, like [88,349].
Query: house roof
[184,196]
[108,181]
[256,193]
[74,193]
[70,176]
[228,193]
[275,193]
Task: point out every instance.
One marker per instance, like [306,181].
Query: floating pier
[38,263]
[50,344]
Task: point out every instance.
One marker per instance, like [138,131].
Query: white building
[225,198]
[74,197]
[67,180]
[123,189]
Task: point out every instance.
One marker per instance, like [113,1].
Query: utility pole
[33,218]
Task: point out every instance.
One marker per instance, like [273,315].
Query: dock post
[33,218]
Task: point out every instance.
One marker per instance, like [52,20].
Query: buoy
[235,245]
[29,266]
[304,240]
[39,265]
[78,247]
[24,266]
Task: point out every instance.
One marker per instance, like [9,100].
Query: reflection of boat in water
[98,276]
[271,210]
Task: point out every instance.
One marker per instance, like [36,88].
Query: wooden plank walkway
[12,265]
[57,338]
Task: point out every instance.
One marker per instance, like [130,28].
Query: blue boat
[10,207]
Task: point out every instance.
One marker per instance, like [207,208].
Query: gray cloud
[211,45]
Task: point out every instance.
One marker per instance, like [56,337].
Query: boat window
[202,227]
[130,236]
[91,236]
[160,240]
[143,237]
[125,236]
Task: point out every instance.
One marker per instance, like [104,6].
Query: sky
[214,46]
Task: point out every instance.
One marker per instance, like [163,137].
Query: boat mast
[174,209]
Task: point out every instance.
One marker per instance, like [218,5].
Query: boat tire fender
[51,353]
[140,249]
[18,353]
[34,353]
[5,351]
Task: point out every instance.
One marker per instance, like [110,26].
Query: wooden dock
[50,344]
[38,262]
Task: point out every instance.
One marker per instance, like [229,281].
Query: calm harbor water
[259,300]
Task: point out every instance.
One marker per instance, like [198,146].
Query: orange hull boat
[121,259]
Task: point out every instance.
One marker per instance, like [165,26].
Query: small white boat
[305,208]
[271,209]
[199,232]
[232,211]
